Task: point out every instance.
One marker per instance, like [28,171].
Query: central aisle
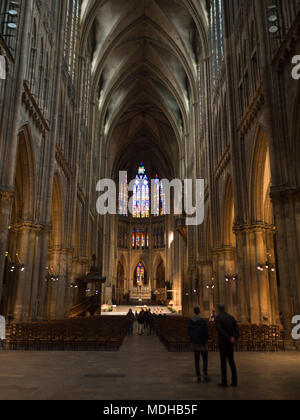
[142,370]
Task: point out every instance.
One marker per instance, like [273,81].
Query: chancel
[108,108]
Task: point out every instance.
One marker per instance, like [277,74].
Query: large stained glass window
[140,274]
[141,195]
[141,202]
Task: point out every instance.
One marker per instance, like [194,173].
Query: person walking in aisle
[131,318]
[141,323]
[198,332]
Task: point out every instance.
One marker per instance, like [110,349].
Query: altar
[140,293]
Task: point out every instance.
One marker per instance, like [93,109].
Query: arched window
[163,210]
[32,56]
[140,274]
[123,199]
[217,40]
[71,36]
[159,198]
[141,195]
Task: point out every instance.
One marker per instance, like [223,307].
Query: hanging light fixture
[51,277]
[15,266]
[229,278]
[266,266]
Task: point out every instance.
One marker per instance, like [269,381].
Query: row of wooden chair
[173,332]
[81,334]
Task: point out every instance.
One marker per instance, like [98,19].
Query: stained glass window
[162,200]
[123,199]
[138,240]
[140,274]
[159,198]
[143,239]
[141,195]
[156,197]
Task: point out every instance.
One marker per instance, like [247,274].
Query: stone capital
[253,228]
[27,226]
[6,194]
[224,250]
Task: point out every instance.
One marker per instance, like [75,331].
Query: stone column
[42,285]
[229,255]
[273,277]
[263,278]
[9,132]
[242,286]
[26,247]
[68,280]
[6,198]
[254,285]
[225,265]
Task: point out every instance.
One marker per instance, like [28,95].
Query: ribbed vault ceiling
[145,55]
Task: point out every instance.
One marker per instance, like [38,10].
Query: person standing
[198,332]
[141,322]
[131,318]
[228,334]
[151,324]
[147,320]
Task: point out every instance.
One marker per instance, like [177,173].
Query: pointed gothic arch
[25,177]
[160,275]
[260,177]
[22,214]
[57,213]
[227,220]
[140,276]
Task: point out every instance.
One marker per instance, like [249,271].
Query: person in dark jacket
[141,322]
[228,334]
[198,332]
[131,318]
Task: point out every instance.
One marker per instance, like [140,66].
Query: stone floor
[143,369]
